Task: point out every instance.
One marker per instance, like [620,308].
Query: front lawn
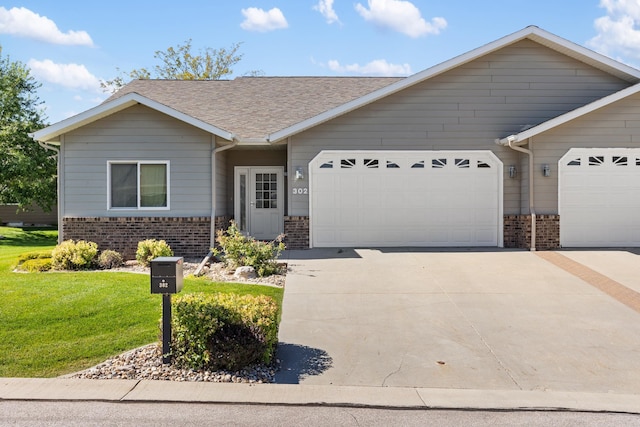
[56,323]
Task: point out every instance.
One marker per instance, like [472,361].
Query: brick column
[296,230]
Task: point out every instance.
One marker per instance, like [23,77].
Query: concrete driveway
[463,319]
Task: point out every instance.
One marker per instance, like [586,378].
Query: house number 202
[301,190]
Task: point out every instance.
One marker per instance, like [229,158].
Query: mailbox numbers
[163,284]
[301,190]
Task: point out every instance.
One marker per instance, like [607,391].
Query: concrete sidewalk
[34,389]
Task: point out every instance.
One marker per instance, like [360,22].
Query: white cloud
[618,32]
[325,7]
[378,67]
[260,20]
[401,16]
[73,76]
[22,22]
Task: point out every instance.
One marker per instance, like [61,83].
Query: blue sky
[70,45]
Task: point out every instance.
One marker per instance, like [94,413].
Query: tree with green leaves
[180,63]
[27,170]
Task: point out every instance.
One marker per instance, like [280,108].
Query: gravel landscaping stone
[145,363]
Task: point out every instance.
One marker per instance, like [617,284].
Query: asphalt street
[87,414]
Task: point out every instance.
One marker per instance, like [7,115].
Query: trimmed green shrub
[70,255]
[36,265]
[150,249]
[34,255]
[109,259]
[239,250]
[223,331]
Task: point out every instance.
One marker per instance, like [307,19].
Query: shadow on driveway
[299,361]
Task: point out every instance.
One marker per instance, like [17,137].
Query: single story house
[530,141]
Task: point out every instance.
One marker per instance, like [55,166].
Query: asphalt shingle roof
[254,107]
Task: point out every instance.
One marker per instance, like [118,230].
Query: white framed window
[138,184]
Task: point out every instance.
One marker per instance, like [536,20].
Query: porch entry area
[259,200]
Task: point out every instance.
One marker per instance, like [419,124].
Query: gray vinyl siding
[466,108]
[615,126]
[137,133]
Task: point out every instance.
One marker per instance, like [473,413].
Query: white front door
[259,201]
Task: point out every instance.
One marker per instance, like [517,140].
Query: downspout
[214,151]
[531,200]
[58,201]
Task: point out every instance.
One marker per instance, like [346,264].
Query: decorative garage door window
[599,197]
[614,160]
[374,163]
[406,198]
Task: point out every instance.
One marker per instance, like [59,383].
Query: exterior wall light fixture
[546,170]
[299,173]
[513,172]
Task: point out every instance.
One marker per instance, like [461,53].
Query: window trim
[167,163]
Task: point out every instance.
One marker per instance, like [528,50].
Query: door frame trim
[237,170]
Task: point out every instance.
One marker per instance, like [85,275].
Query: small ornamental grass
[223,331]
[150,249]
[109,259]
[237,250]
[71,255]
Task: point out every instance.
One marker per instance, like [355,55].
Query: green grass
[56,323]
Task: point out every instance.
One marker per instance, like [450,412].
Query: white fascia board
[620,70]
[51,133]
[571,115]
[532,32]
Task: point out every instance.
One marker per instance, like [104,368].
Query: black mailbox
[166,275]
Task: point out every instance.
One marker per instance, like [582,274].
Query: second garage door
[599,197]
[406,198]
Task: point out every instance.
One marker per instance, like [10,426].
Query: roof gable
[533,33]
[270,109]
[53,132]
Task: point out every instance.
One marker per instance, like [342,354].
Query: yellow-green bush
[70,255]
[150,249]
[36,265]
[34,255]
[239,250]
[223,331]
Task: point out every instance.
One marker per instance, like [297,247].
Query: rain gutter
[511,142]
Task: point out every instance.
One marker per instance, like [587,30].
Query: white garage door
[599,197]
[406,198]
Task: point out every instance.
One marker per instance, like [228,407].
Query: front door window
[266,190]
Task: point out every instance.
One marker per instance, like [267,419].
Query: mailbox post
[166,279]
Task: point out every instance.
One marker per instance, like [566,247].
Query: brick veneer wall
[188,237]
[296,230]
[517,231]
